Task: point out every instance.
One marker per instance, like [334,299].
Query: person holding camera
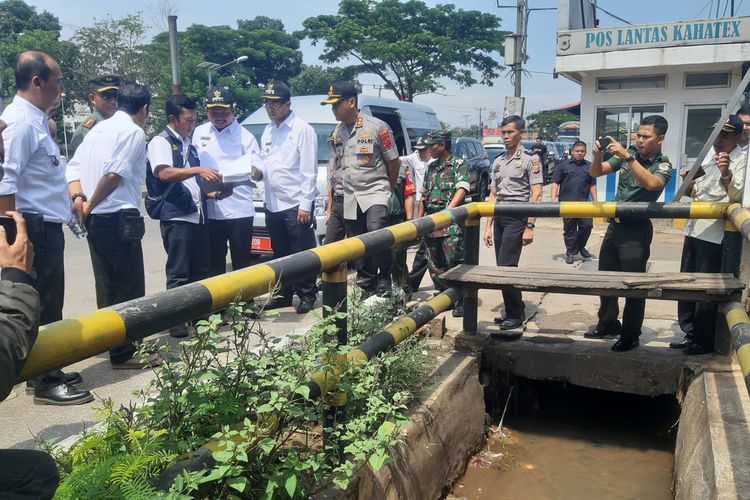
[28,474]
[104,180]
[644,171]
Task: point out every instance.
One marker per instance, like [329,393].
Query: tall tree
[546,123]
[411,46]
[314,80]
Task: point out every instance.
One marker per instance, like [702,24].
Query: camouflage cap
[438,136]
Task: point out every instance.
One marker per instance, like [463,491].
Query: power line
[615,16]
[709,4]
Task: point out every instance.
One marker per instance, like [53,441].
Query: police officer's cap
[733,125]
[277,91]
[338,91]
[438,136]
[219,97]
[103,83]
[422,142]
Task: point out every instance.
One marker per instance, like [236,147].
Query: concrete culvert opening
[563,441]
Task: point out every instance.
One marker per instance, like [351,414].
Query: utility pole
[481,126]
[466,120]
[521,13]
[379,87]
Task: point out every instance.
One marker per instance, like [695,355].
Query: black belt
[338,198]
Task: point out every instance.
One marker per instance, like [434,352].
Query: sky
[456,106]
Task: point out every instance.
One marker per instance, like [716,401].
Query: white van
[407,120]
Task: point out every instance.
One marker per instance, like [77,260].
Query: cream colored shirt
[708,188]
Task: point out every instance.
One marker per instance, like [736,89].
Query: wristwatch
[630,159]
[78,195]
[530,225]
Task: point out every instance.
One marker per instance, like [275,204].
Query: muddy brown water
[563,443]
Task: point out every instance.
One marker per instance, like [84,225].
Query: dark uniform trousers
[399,268]
[335,226]
[118,269]
[48,271]
[289,237]
[626,247]
[419,267]
[371,268]
[27,474]
[508,236]
[698,319]
[187,247]
[239,234]
[576,233]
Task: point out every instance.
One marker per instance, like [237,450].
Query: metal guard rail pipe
[738,323]
[740,219]
[71,340]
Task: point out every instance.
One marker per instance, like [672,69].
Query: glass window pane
[703,80]
[700,122]
[632,82]
[612,122]
[638,113]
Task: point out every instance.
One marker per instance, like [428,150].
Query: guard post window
[622,122]
[615,83]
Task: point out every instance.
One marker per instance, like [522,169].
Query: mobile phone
[9,224]
[603,143]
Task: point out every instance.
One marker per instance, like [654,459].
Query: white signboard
[674,34]
[513,106]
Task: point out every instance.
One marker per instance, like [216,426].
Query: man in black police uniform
[516,177]
[644,172]
[103,98]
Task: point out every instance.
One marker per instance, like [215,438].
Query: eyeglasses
[275,104]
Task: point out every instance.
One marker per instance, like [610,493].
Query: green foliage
[411,46]
[547,122]
[314,80]
[249,394]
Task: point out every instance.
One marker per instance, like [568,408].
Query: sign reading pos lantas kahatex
[672,34]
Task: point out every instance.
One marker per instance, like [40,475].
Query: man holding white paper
[223,144]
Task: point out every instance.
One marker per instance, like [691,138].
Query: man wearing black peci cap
[722,181]
[366,153]
[289,147]
[103,98]
[225,145]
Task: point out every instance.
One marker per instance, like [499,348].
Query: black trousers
[419,267]
[698,319]
[508,236]
[371,269]
[48,271]
[399,268]
[239,234]
[288,237]
[335,227]
[27,474]
[576,234]
[187,247]
[626,247]
[118,269]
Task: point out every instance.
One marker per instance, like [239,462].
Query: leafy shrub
[248,394]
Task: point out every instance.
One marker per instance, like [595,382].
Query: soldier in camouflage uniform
[103,98]
[446,184]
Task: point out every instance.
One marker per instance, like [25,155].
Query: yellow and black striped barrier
[71,340]
[739,328]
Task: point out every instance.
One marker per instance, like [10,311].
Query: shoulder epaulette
[89,122]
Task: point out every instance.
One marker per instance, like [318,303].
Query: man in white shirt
[290,171]
[224,145]
[417,162]
[723,181]
[104,180]
[34,184]
[174,177]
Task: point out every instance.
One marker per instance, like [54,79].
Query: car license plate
[261,244]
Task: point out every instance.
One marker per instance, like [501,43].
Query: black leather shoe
[62,395]
[179,331]
[306,305]
[696,349]
[568,259]
[585,253]
[511,323]
[683,344]
[499,319]
[600,332]
[367,293]
[383,288]
[70,378]
[458,310]
[277,302]
[623,345]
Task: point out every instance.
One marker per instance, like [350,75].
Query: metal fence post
[471,295]
[334,299]
[731,256]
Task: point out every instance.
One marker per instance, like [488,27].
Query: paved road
[20,418]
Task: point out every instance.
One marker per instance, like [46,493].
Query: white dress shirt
[33,168]
[708,188]
[290,164]
[115,146]
[216,149]
[160,153]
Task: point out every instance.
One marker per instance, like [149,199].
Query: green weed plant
[248,394]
